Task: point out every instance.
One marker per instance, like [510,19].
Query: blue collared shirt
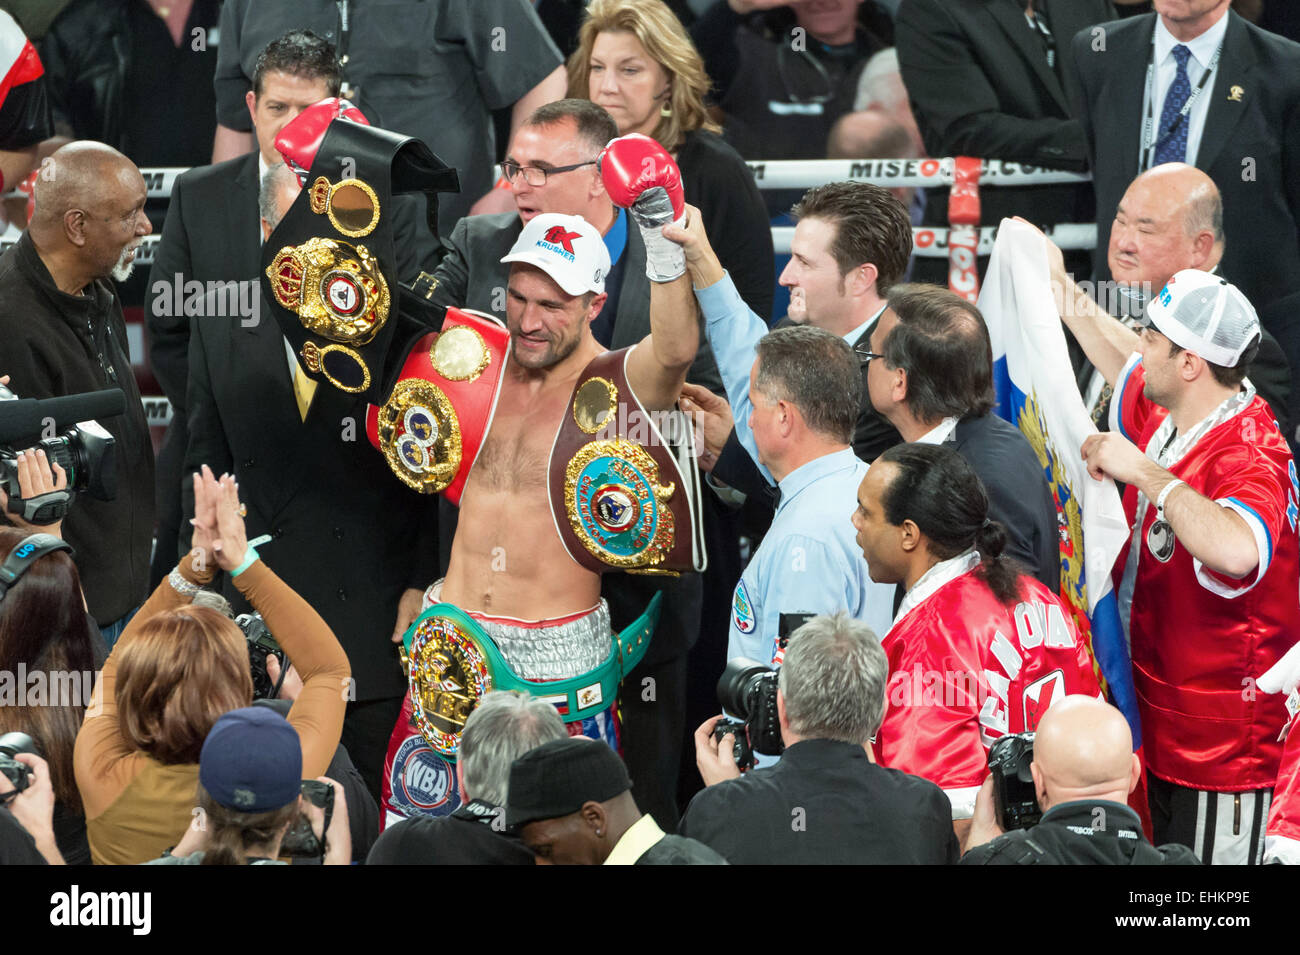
[809,561]
[733,331]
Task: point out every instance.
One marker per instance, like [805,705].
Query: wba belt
[452,663]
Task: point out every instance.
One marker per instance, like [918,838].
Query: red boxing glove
[301,137]
[634,164]
[641,177]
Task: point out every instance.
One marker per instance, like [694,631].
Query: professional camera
[748,689]
[18,774]
[84,449]
[260,646]
[1014,799]
[300,841]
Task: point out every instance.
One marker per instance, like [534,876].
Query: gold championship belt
[436,419]
[620,496]
[329,269]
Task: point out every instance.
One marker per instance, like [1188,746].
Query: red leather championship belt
[437,416]
[619,497]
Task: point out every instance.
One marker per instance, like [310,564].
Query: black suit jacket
[1250,147]
[979,85]
[347,536]
[852,811]
[1019,497]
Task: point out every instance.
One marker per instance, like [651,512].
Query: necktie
[1172,145]
[303,389]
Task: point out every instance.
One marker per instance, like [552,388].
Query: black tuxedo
[979,85]
[1250,146]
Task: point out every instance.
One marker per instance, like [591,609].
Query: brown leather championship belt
[434,422]
[619,496]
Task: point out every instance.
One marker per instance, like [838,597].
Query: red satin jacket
[965,669]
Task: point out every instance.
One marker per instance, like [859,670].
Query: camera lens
[11,744]
[736,684]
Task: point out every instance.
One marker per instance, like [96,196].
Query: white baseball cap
[1201,312]
[567,248]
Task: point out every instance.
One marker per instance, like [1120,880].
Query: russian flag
[1036,391]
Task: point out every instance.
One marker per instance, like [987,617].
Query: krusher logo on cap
[559,236]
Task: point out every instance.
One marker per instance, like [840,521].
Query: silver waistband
[550,653]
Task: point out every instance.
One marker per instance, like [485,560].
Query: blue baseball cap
[252,761]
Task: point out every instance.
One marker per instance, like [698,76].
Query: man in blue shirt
[795,393]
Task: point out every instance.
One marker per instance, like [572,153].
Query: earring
[666,110]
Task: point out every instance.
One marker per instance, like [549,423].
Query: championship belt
[451,663]
[620,497]
[434,422]
[329,268]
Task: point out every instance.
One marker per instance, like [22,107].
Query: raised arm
[640,176]
[1107,341]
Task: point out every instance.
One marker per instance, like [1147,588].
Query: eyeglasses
[535,175]
[864,352]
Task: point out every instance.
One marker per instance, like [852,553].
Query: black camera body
[1014,799]
[300,841]
[18,774]
[741,751]
[747,688]
[84,449]
[261,644]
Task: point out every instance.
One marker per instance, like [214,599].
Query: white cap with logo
[567,248]
[1202,313]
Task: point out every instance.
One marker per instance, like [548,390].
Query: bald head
[79,176]
[1084,749]
[89,215]
[1170,219]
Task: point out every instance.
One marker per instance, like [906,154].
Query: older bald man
[1084,769]
[62,333]
[1170,219]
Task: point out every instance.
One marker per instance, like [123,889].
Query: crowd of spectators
[880,614]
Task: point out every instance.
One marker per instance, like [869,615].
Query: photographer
[250,795]
[1084,769]
[45,631]
[177,670]
[27,819]
[826,801]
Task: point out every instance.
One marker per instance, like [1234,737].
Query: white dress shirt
[1203,49]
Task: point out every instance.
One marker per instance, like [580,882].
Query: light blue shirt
[809,561]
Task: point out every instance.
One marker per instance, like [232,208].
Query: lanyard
[341,51]
[1149,143]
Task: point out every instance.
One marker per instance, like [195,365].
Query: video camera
[748,689]
[1014,799]
[84,449]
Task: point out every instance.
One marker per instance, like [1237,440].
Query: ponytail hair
[937,490]
[232,833]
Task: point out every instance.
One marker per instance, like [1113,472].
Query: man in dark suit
[829,705]
[551,166]
[1242,128]
[850,247]
[212,234]
[993,79]
[931,375]
[351,541]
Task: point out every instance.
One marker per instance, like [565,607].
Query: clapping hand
[218,520]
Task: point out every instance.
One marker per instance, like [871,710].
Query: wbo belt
[433,424]
[452,663]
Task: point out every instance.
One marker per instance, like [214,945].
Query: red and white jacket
[965,669]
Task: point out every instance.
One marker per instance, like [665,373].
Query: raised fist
[301,137]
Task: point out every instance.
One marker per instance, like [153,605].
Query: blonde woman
[635,60]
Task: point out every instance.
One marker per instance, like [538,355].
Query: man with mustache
[63,333]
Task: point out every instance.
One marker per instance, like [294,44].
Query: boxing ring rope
[961,243]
